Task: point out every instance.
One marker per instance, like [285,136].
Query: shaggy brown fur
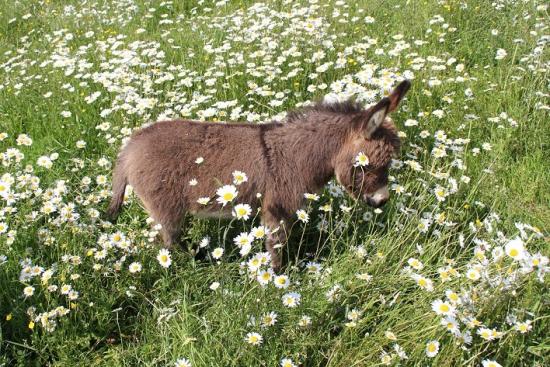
[282,161]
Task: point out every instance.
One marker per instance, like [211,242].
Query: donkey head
[363,163]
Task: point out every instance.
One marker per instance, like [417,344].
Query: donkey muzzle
[378,198]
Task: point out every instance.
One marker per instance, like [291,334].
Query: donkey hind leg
[171,224]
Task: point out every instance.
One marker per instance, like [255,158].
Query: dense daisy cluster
[109,69]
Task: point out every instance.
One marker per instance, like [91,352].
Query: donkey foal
[282,161]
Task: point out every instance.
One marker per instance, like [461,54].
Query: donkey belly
[211,214]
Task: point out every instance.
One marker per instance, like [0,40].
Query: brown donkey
[171,164]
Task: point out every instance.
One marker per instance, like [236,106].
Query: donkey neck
[308,150]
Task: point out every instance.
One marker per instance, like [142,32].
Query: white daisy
[226,194]
[164,258]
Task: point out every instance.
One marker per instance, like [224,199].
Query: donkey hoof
[276,266]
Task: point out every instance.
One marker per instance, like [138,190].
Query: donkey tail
[119,187]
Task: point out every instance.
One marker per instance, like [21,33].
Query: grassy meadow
[452,271]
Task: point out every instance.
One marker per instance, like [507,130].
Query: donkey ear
[398,93]
[375,116]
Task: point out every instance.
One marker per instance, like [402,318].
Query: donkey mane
[386,140]
[348,107]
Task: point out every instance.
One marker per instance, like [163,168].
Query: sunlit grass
[364,305]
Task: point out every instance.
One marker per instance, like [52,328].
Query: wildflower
[424,225]
[45,162]
[423,282]
[287,362]
[490,363]
[281,281]
[501,54]
[450,324]
[24,139]
[473,274]
[440,193]
[217,253]
[134,267]
[4,189]
[258,232]
[302,215]
[28,291]
[487,334]
[443,308]
[390,335]
[312,197]
[254,338]
[304,321]
[264,276]
[269,319]
[226,194]
[193,182]
[164,258]
[199,160]
[523,327]
[242,211]
[117,238]
[361,159]
[452,296]
[386,358]
[313,267]
[432,348]
[291,299]
[254,264]
[243,240]
[239,177]
[203,200]
[515,249]
[486,146]
[182,362]
[214,285]
[415,264]
[204,242]
[66,288]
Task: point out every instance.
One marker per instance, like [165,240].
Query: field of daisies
[452,271]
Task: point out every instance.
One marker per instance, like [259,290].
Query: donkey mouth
[376,203]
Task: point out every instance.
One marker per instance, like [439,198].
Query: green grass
[159,315]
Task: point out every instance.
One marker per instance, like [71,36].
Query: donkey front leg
[276,239]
